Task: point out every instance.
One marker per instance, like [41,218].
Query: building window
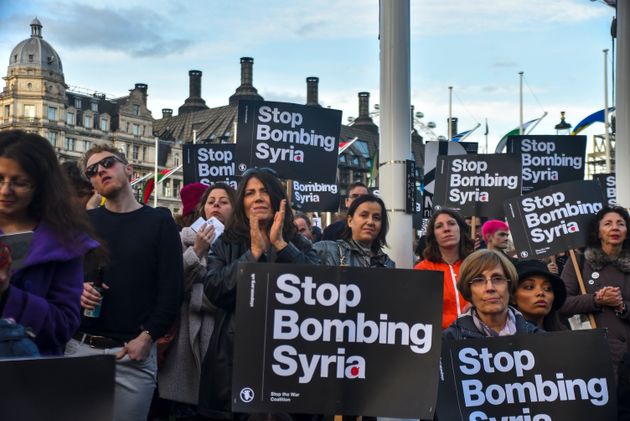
[176,159]
[94,106]
[52,138]
[176,187]
[144,153]
[29,111]
[136,109]
[77,103]
[88,144]
[135,152]
[69,143]
[70,118]
[136,130]
[166,191]
[30,58]
[7,111]
[52,113]
[87,121]
[104,124]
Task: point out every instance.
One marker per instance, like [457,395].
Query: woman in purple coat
[42,293]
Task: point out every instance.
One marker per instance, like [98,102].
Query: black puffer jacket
[349,253]
[215,388]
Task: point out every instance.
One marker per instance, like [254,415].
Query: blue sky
[476,46]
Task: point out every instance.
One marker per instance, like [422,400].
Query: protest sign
[554,219]
[548,159]
[209,164]
[609,187]
[517,378]
[337,340]
[299,142]
[58,388]
[476,185]
[431,151]
[314,197]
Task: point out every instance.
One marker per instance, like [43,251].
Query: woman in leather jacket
[363,239]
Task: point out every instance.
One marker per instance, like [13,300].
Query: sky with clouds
[476,46]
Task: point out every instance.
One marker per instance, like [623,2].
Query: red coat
[454,302]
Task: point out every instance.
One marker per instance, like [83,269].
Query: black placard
[609,187]
[517,378]
[382,362]
[58,388]
[314,197]
[554,219]
[299,142]
[476,185]
[548,159]
[431,151]
[210,163]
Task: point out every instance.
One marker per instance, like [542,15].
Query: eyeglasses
[18,185]
[495,280]
[106,163]
[254,171]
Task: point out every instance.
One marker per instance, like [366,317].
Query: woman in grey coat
[363,240]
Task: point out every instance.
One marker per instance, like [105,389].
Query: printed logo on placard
[524,254]
[247,394]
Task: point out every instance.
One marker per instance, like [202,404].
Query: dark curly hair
[237,229]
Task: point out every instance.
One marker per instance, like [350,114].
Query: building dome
[35,52]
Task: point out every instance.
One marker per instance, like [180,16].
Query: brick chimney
[364,121]
[312,88]
[194,102]
[246,90]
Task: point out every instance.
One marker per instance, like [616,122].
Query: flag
[148,185]
[514,132]
[463,135]
[596,117]
[374,169]
[460,136]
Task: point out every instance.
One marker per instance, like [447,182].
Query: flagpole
[155,173]
[486,133]
[450,113]
[520,125]
[606,130]
[536,123]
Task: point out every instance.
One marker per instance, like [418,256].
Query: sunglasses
[253,171]
[106,163]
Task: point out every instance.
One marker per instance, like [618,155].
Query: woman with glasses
[43,292]
[363,239]
[261,230]
[486,280]
[447,244]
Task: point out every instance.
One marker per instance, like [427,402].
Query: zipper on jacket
[454,279]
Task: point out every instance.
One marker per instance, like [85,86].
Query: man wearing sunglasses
[142,283]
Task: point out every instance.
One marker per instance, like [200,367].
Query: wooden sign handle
[578,272]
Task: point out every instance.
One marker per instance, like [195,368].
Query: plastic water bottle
[98,285]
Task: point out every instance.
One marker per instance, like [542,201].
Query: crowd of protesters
[106,274]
